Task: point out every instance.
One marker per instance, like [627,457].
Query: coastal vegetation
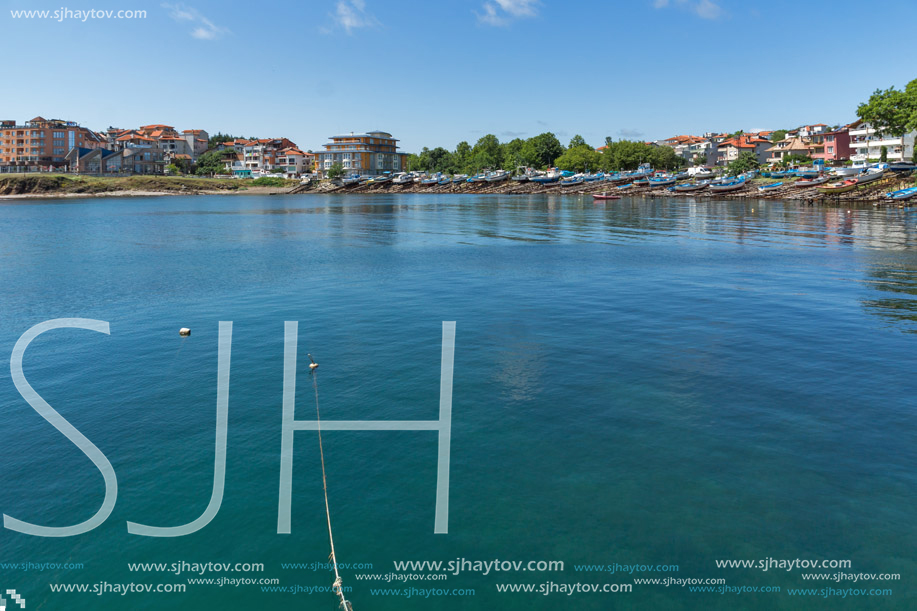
[746,162]
[891,111]
[541,152]
[48,184]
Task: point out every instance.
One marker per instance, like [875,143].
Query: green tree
[542,150]
[891,111]
[486,153]
[883,154]
[461,158]
[211,162]
[778,135]
[512,154]
[412,162]
[576,141]
[579,159]
[336,170]
[746,162]
[628,154]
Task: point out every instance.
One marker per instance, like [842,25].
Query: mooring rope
[345,604]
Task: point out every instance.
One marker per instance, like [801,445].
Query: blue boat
[773,185]
[902,194]
[569,182]
[807,173]
[661,182]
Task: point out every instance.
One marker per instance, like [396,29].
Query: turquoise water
[637,382]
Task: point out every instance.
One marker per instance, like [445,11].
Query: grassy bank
[61,184]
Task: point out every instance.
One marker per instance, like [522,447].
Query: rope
[336,586]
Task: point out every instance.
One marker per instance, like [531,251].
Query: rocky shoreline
[871,193]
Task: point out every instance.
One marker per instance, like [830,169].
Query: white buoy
[313,365]
[184,331]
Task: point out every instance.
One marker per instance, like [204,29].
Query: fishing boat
[732,185]
[625,187]
[641,182]
[807,173]
[902,194]
[381,179]
[870,175]
[773,185]
[811,182]
[520,178]
[445,180]
[682,176]
[902,166]
[351,180]
[704,173]
[691,186]
[604,196]
[460,178]
[572,181]
[497,176]
[661,182]
[401,179]
[848,171]
[478,178]
[836,188]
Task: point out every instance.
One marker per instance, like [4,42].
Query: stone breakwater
[873,192]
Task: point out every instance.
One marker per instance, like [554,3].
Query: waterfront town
[43,145]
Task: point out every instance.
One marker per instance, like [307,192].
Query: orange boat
[836,188]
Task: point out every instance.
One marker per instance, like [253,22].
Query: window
[831,149]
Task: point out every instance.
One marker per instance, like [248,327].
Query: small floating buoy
[313,365]
[184,331]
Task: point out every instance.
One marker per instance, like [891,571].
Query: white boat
[460,178]
[869,175]
[402,178]
[497,176]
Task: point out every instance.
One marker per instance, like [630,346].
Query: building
[41,144]
[834,146]
[293,162]
[786,147]
[369,154]
[866,143]
[260,156]
[688,147]
[729,150]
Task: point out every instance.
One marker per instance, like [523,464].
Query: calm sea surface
[636,382]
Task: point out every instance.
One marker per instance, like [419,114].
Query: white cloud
[502,12]
[203,29]
[351,15]
[706,9]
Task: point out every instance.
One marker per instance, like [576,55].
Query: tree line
[542,152]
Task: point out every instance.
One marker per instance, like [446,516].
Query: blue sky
[436,73]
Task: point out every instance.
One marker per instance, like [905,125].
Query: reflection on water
[900,307]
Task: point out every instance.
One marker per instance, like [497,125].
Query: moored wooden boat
[903,194]
[603,196]
[814,182]
[836,188]
[691,186]
[773,185]
[725,187]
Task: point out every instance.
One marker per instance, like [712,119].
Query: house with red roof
[729,150]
